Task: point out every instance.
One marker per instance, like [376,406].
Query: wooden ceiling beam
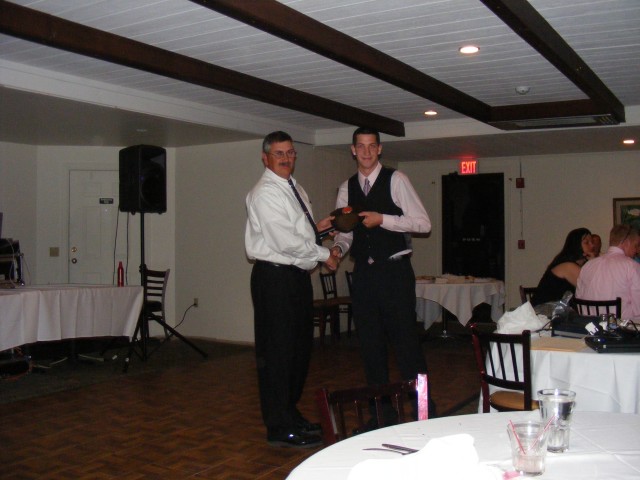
[531,26]
[290,25]
[55,32]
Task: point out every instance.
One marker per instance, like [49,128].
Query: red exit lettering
[468,167]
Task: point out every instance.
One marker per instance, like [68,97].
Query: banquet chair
[330,292]
[598,307]
[526,293]
[342,411]
[498,361]
[326,311]
[349,276]
[155,294]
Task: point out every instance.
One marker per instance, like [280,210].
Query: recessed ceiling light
[629,141]
[469,49]
[430,113]
[141,130]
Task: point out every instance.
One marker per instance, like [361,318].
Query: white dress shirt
[414,218]
[277,229]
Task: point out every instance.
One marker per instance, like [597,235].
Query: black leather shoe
[293,438]
[306,427]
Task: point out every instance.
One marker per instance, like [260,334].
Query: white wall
[201,237]
[211,183]
[18,199]
[35,187]
[561,193]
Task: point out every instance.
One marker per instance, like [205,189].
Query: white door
[99,235]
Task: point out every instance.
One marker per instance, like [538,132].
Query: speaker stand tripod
[139,341]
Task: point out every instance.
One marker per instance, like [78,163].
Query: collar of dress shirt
[273,175]
[372,176]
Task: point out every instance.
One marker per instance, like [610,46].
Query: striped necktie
[367,187]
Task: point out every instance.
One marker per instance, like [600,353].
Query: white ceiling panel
[424,34]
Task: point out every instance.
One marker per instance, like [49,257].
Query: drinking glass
[557,405]
[528,447]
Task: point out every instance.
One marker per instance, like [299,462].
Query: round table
[602,446]
[458,298]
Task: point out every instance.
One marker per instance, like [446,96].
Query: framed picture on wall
[627,211]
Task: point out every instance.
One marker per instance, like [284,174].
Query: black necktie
[306,212]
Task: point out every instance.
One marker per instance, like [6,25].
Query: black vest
[377,243]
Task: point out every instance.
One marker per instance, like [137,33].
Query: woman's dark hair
[572,249]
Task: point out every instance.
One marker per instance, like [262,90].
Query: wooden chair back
[329,287]
[598,307]
[341,411]
[155,292]
[330,292]
[349,276]
[526,293]
[504,361]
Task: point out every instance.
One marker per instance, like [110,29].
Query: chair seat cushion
[505,400]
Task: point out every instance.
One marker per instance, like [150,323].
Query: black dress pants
[384,311]
[283,323]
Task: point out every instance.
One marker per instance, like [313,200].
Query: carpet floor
[179,416]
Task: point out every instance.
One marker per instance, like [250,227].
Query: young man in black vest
[384,284]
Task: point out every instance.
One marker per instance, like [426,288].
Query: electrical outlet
[195,302]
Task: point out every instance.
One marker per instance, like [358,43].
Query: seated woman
[562,273]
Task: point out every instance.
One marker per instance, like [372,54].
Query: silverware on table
[399,447]
[390,450]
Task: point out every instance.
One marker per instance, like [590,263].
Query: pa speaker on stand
[143,189]
[143,179]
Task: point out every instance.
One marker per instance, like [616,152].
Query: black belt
[293,268]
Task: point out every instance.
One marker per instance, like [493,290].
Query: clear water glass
[557,405]
[528,447]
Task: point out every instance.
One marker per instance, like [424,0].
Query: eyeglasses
[281,155]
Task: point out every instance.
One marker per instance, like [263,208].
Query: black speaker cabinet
[143,179]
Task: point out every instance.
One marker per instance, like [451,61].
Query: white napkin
[447,458]
[522,318]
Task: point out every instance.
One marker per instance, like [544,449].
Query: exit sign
[468,167]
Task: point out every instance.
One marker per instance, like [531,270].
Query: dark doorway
[473,225]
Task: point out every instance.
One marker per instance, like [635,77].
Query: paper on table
[522,318]
[559,344]
[447,458]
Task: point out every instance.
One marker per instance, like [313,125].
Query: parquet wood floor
[197,422]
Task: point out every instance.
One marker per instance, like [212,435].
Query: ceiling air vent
[559,122]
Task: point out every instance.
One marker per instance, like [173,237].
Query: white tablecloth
[603,382]
[603,446]
[457,298]
[55,312]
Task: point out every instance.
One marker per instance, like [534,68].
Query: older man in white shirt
[281,238]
